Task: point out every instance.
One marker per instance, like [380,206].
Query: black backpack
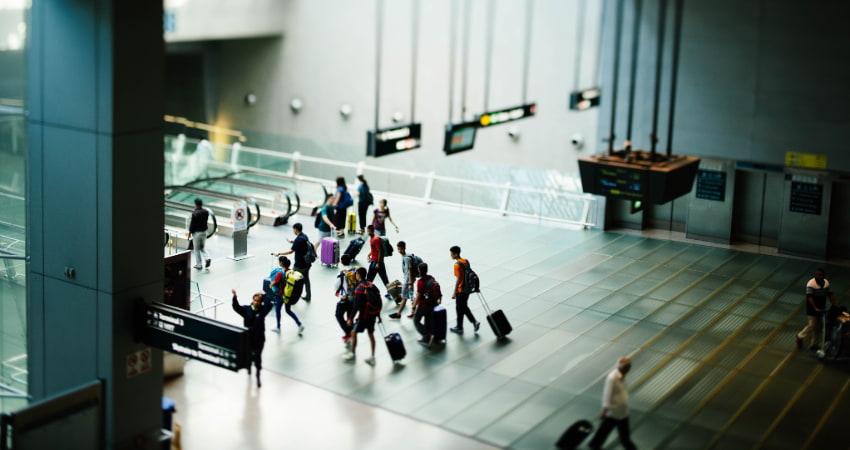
[386,247]
[415,261]
[471,283]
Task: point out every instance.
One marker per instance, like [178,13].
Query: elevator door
[757,210]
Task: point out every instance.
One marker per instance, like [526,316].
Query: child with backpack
[280,282]
[367,309]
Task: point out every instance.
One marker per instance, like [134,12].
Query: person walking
[376,257]
[254,319]
[198,230]
[379,217]
[278,284]
[410,270]
[300,248]
[342,200]
[817,292]
[324,221]
[346,283]
[461,292]
[364,200]
[365,319]
[427,297]
[615,411]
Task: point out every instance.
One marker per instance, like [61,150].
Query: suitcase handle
[487,309]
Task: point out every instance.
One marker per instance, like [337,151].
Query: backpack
[318,220]
[277,278]
[345,200]
[413,265]
[310,256]
[386,247]
[432,291]
[294,286]
[471,283]
[374,303]
[346,283]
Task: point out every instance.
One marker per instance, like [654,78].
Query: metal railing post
[293,168]
[506,196]
[429,186]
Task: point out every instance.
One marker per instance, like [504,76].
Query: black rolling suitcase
[497,319]
[354,247]
[394,344]
[439,324]
[575,435]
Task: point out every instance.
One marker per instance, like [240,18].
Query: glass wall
[13,157]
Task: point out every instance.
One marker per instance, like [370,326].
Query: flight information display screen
[459,137]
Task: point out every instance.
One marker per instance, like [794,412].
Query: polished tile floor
[710,331]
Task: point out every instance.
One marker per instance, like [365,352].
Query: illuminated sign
[506,115]
[459,137]
[388,141]
[584,99]
[194,336]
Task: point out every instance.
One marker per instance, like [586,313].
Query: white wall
[327,58]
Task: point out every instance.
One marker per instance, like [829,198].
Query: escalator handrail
[187,207]
[290,211]
[253,219]
[284,177]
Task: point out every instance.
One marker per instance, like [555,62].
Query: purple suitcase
[330,252]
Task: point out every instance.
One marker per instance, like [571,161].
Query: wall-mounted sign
[711,185]
[194,336]
[796,159]
[806,198]
[584,99]
[506,115]
[459,137]
[388,141]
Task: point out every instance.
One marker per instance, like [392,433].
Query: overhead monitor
[459,137]
[584,99]
[506,115]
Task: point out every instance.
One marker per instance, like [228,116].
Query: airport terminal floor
[710,331]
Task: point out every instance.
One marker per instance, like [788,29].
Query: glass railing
[528,194]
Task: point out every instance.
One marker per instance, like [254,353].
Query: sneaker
[370,361]
[456,330]
[388,296]
[305,299]
[410,316]
[198,267]
[276,329]
[394,316]
[799,344]
[300,329]
[477,326]
[209,261]
[348,356]
[425,342]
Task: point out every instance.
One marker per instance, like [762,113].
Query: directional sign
[506,115]
[195,336]
[388,141]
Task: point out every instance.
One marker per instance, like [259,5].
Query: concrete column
[95,83]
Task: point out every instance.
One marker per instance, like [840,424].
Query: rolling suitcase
[351,223]
[395,345]
[354,247]
[575,435]
[394,289]
[330,252]
[497,319]
[439,324]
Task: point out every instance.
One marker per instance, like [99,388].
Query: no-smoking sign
[138,362]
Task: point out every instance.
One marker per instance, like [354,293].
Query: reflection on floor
[710,331]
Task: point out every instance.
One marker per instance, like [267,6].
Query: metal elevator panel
[804,221]
[757,211]
[711,203]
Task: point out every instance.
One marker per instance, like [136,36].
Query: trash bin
[167,411]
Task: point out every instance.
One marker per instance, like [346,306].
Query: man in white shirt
[615,411]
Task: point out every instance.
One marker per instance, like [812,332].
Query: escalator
[313,194]
[219,203]
[278,203]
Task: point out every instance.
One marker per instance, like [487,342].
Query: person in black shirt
[198,230]
[254,316]
[300,263]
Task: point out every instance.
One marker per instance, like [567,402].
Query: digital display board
[506,115]
[711,185]
[459,137]
[584,99]
[806,198]
[642,178]
[621,182]
[388,141]
[217,343]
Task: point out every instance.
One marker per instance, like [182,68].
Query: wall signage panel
[711,185]
[507,115]
[806,198]
[388,141]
